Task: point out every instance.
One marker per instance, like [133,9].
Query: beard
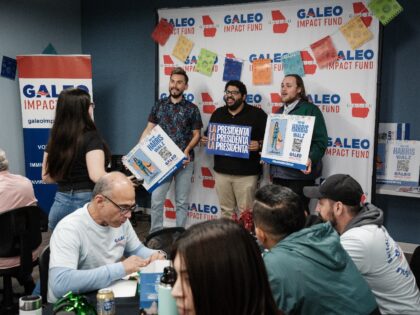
[235,105]
[175,93]
[332,219]
[291,99]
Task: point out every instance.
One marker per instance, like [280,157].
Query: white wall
[27,27]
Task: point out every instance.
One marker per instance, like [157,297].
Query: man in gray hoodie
[362,234]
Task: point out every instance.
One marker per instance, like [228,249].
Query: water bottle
[30,305]
[166,302]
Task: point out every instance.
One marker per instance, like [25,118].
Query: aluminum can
[105,303]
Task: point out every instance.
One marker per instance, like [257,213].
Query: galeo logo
[348,147]
[358,59]
[320,16]
[208,179]
[188,96]
[359,107]
[208,105]
[249,22]
[280,23]
[327,103]
[183,25]
[209,28]
[254,99]
[309,64]
[168,64]
[188,66]
[276,102]
[276,59]
[169,209]
[47,90]
[359,8]
[201,211]
[119,240]
[44,96]
[203,208]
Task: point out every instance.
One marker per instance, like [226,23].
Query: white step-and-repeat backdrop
[345,90]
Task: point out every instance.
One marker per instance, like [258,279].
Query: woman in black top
[76,154]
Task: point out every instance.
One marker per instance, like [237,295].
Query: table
[386,189]
[125,306]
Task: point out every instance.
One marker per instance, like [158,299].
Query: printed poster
[154,159]
[8,68]
[398,163]
[394,131]
[385,10]
[287,140]
[324,51]
[229,140]
[232,70]
[182,48]
[262,72]
[356,33]
[162,32]
[206,61]
[293,64]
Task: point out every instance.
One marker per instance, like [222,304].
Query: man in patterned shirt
[181,120]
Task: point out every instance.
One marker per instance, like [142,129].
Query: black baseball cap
[338,187]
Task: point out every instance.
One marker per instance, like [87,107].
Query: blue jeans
[182,179]
[64,204]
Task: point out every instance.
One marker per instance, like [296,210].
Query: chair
[415,265]
[20,234]
[44,262]
[163,239]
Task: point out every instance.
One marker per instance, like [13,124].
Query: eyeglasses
[123,209]
[232,93]
[93,105]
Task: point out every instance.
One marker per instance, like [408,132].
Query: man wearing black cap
[309,271]
[362,234]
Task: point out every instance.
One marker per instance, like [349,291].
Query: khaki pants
[235,191]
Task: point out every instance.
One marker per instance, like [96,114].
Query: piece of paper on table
[131,276]
[124,288]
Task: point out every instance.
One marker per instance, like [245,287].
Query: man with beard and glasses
[236,178]
[295,102]
[377,256]
[181,120]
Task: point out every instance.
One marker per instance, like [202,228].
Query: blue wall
[117,34]
[27,27]
[400,103]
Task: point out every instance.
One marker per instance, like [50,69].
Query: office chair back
[20,234]
[415,265]
[163,239]
[44,262]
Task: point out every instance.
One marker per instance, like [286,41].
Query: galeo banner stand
[41,79]
[344,90]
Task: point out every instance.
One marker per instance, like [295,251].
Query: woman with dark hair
[75,156]
[220,271]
